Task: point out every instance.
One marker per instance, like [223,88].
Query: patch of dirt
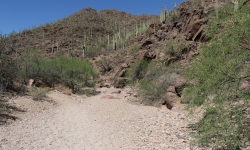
[109,120]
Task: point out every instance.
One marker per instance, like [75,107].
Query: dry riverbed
[108,121]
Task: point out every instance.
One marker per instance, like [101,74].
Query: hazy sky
[16,15]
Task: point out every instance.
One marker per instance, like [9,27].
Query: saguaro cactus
[236,5]
[202,3]
[175,8]
[164,14]
[217,8]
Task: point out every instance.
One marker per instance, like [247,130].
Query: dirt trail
[106,122]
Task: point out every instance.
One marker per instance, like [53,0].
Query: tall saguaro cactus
[164,14]
[202,3]
[175,7]
[217,8]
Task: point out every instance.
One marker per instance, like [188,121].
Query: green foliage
[217,74]
[153,79]
[104,64]
[68,71]
[174,48]
[8,70]
[155,83]
[134,49]
[92,51]
[71,72]
[138,70]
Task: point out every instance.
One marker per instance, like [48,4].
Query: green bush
[39,94]
[137,70]
[174,48]
[218,71]
[152,78]
[31,64]
[8,70]
[71,72]
[154,85]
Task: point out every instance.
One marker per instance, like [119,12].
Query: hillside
[86,28]
[196,55]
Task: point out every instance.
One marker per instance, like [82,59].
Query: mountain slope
[87,28]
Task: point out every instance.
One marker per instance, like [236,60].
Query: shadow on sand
[6,112]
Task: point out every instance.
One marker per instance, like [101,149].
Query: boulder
[145,54]
[171,89]
[120,82]
[171,99]
[245,84]
[177,80]
[124,65]
[194,28]
[16,87]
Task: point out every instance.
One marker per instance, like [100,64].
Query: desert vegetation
[219,73]
[217,78]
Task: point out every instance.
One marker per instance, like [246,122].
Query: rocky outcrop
[185,29]
[173,93]
[194,29]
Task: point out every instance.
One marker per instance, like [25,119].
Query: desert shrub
[93,51]
[174,47]
[71,72]
[77,73]
[154,85]
[218,72]
[8,71]
[39,94]
[31,64]
[105,64]
[28,63]
[134,49]
[137,70]
[119,58]
[152,78]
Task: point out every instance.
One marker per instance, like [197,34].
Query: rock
[16,87]
[109,97]
[120,82]
[245,84]
[116,92]
[101,85]
[38,82]
[171,99]
[150,55]
[171,60]
[178,82]
[124,65]
[121,73]
[140,54]
[171,89]
[30,83]
[198,32]
[246,3]
[145,54]
[194,28]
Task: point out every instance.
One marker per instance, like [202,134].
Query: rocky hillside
[87,29]
[175,41]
